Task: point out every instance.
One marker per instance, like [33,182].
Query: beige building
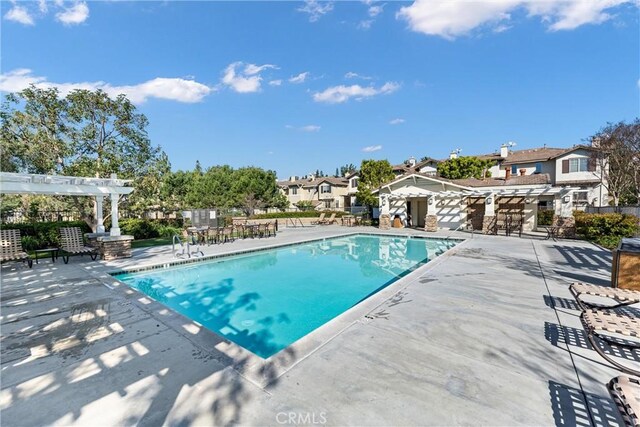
[566,167]
[323,192]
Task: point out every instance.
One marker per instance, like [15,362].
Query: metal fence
[629,210]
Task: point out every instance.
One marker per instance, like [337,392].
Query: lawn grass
[145,243]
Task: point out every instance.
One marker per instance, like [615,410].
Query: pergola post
[385,217]
[489,220]
[115,227]
[99,214]
[431,218]
[563,215]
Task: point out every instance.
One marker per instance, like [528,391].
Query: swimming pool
[268,299]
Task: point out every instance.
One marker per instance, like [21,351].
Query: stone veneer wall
[115,247]
[385,222]
[566,226]
[430,223]
[489,224]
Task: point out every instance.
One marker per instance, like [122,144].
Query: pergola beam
[58,185]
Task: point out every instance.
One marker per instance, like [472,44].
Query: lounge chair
[331,220]
[71,242]
[625,392]
[622,297]
[320,219]
[11,247]
[603,326]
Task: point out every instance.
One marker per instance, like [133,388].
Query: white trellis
[58,185]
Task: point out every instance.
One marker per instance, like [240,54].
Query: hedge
[40,235]
[299,214]
[150,228]
[606,229]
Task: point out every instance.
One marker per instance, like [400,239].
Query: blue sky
[300,86]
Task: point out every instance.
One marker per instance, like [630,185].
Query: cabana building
[432,203]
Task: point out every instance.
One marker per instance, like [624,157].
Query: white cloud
[340,94]
[300,78]
[19,14]
[375,10]
[246,81]
[252,69]
[396,121]
[275,82]
[453,18]
[76,14]
[175,89]
[42,6]
[308,128]
[372,148]
[365,25]
[352,75]
[316,9]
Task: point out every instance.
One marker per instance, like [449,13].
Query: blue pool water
[266,300]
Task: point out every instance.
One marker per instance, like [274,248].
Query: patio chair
[271,229]
[625,392]
[11,247]
[320,219]
[622,297]
[71,242]
[331,220]
[606,326]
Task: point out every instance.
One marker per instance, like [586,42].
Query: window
[538,167]
[325,188]
[579,164]
[354,183]
[514,169]
[293,190]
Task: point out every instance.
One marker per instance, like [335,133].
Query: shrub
[139,228]
[606,229]
[545,217]
[168,231]
[40,235]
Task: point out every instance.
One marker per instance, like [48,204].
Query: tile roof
[537,179]
[306,183]
[526,156]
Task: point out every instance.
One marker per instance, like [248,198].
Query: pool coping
[252,367]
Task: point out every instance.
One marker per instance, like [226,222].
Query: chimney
[453,155]
[411,162]
[508,173]
[504,151]
[522,172]
[292,178]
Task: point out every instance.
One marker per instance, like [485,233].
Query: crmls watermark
[304,418]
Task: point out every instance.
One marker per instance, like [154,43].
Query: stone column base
[92,239]
[566,226]
[430,223]
[385,222]
[114,247]
[489,224]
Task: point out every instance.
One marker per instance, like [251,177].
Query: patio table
[552,233]
[53,251]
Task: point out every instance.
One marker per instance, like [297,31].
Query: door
[475,212]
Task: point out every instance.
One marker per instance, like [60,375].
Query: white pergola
[497,192]
[58,185]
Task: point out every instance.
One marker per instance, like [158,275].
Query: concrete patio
[489,334]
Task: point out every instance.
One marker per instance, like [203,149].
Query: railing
[629,210]
[295,222]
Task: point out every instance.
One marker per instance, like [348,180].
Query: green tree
[34,131]
[373,173]
[465,167]
[256,188]
[617,157]
[347,169]
[85,134]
